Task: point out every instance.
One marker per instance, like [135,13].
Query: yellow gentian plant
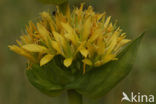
[79,51]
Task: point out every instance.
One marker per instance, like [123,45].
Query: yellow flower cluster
[81,31]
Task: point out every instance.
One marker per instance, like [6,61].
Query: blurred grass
[134,16]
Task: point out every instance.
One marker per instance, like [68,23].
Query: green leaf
[56,2]
[49,79]
[100,80]
[38,79]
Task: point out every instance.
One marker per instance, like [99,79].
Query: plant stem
[74,97]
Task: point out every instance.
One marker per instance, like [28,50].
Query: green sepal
[49,79]
[100,80]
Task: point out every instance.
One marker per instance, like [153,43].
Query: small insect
[54,13]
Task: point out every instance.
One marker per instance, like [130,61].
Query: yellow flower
[91,34]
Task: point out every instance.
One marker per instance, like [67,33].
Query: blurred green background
[134,16]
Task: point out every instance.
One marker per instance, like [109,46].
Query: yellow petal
[95,35]
[34,48]
[110,28]
[120,44]
[71,35]
[101,47]
[112,45]
[84,51]
[91,49]
[87,61]
[25,39]
[19,43]
[103,18]
[99,16]
[67,62]
[98,63]
[60,39]
[89,11]
[124,41]
[81,7]
[67,27]
[108,58]
[113,41]
[57,47]
[80,47]
[63,44]
[86,29]
[46,59]
[22,52]
[107,21]
[44,33]
[46,16]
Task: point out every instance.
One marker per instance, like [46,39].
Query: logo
[137,97]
